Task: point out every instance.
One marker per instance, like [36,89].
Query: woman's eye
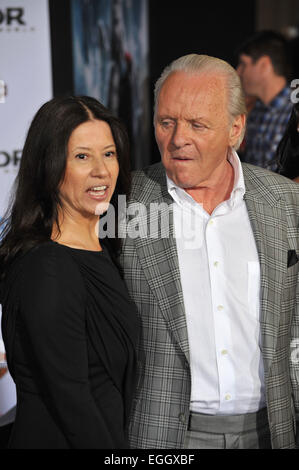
[111,153]
[81,156]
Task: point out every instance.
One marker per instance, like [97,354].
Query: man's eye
[166,124]
[199,125]
[81,156]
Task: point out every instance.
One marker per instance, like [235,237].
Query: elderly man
[216,290]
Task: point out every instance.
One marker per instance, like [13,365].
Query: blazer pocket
[292,258]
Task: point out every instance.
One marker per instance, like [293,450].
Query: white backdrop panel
[25,68]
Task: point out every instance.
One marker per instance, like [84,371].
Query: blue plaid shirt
[266,125]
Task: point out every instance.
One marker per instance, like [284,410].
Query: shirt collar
[180,196]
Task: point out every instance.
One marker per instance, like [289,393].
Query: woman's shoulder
[46,267]
[46,250]
[48,258]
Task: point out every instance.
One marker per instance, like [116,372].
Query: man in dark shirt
[264,72]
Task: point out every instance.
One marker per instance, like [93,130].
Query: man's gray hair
[204,64]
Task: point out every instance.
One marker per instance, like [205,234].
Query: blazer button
[182,418]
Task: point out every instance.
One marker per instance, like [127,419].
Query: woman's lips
[98,192]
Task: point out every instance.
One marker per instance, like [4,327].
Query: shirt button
[220,307]
[224,352]
[182,418]
[216,264]
[228,397]
[211,222]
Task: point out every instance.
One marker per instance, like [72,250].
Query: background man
[264,70]
[218,310]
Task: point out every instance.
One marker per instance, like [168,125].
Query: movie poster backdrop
[110,56]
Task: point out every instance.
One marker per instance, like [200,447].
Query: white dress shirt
[220,276]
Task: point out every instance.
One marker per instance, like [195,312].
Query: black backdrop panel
[176,28]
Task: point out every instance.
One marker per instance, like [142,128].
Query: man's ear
[236,129]
[264,64]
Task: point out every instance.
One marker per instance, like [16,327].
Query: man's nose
[180,136]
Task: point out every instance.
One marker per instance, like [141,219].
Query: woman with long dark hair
[288,149]
[68,324]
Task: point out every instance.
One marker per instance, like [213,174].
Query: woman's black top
[288,148]
[70,330]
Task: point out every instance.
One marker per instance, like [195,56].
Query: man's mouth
[181,158]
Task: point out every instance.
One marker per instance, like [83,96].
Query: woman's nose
[99,168]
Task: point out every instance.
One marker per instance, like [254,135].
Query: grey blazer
[161,406]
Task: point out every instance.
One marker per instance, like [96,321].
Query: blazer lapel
[158,257]
[268,219]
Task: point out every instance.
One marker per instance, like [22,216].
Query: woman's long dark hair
[35,205]
[288,148]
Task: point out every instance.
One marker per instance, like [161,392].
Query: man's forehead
[201,78]
[186,88]
[245,59]
[183,85]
